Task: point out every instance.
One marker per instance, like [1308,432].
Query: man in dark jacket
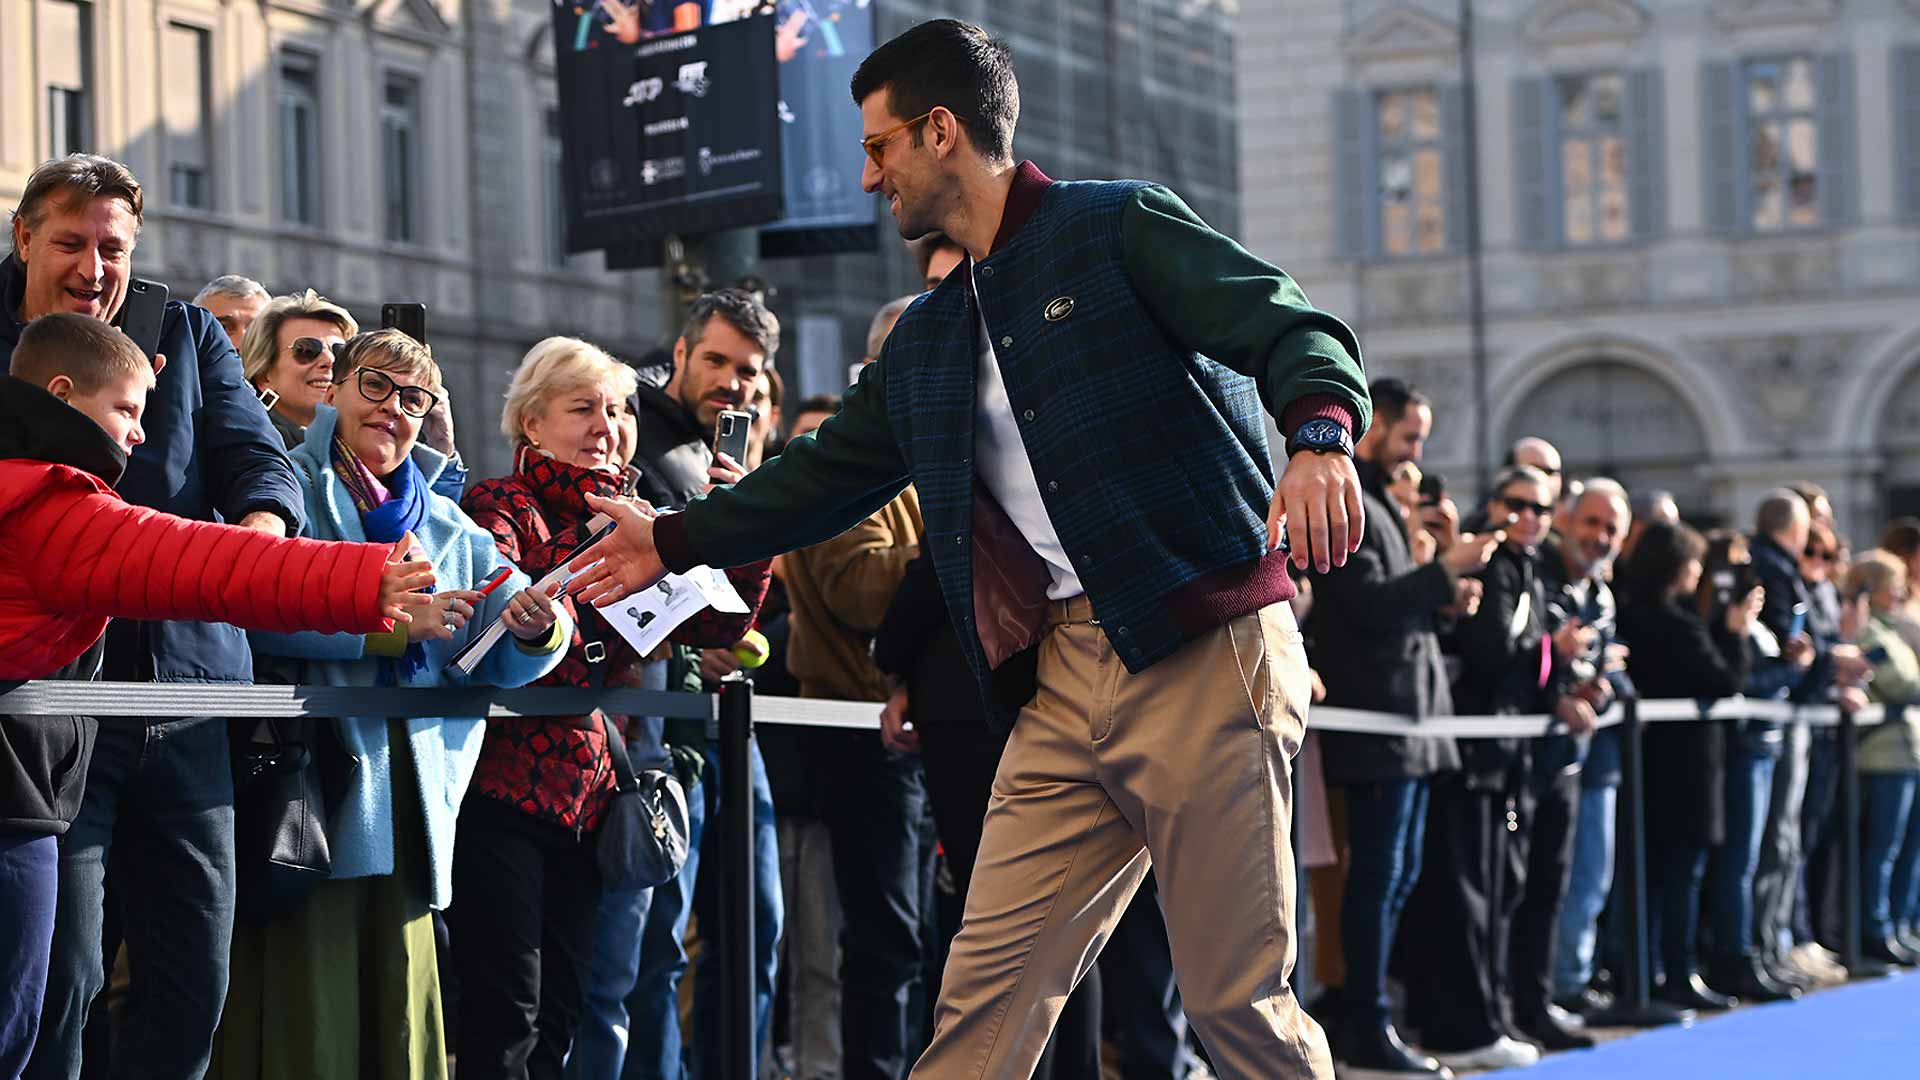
[1374,634]
[1459,952]
[728,340]
[1574,572]
[210,454]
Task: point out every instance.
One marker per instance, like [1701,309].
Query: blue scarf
[404,511]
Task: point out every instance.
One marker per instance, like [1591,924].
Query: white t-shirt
[1007,471]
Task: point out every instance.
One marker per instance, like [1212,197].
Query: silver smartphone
[730,434]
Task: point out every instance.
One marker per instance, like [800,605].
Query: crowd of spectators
[1478,872]
[1460,888]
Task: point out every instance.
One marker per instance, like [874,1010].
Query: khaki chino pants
[1183,768]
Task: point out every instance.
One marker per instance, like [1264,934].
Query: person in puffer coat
[74,554]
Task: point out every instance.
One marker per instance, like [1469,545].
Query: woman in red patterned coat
[525,871]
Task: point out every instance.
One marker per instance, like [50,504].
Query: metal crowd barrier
[732,713]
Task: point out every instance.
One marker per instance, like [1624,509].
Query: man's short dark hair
[946,62]
[1902,537]
[742,311]
[925,248]
[826,403]
[84,349]
[1392,398]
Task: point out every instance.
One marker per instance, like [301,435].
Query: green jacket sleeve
[1216,298]
[819,487]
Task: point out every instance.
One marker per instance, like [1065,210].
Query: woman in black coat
[1677,654]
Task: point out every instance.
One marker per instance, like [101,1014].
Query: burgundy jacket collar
[1029,184]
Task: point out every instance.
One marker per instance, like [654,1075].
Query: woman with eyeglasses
[289,355]
[1675,652]
[343,984]
[1500,839]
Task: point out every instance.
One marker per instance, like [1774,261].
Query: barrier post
[1633,1004]
[737,1028]
[1850,923]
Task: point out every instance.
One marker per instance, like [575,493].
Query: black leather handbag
[643,834]
[289,774]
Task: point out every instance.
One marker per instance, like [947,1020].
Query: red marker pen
[498,579]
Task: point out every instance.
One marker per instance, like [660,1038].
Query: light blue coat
[445,749]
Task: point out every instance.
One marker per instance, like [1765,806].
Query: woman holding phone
[345,985]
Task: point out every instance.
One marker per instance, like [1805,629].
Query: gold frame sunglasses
[876,144]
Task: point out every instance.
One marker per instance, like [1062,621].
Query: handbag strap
[623,774]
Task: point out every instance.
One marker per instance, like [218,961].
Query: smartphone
[730,434]
[409,319]
[142,313]
[1433,488]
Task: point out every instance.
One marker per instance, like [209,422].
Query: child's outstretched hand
[402,580]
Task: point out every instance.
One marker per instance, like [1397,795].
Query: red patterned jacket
[557,768]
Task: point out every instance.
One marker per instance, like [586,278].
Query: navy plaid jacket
[1150,456]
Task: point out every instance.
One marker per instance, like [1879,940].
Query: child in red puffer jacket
[72,555]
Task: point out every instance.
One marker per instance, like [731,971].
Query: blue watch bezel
[1321,435]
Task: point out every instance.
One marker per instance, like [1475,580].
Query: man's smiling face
[79,257]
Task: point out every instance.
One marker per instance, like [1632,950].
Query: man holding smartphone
[727,343]
[1080,408]
[163,788]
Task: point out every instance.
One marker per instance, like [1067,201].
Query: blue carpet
[1870,1030]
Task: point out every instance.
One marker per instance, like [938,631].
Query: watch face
[1319,432]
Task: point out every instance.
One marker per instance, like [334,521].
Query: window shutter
[1647,153]
[1839,168]
[1722,157]
[1356,174]
[1906,138]
[1536,164]
[1453,137]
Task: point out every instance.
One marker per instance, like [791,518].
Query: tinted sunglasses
[1814,552]
[308,350]
[1516,505]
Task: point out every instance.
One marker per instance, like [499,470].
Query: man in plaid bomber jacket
[1079,407]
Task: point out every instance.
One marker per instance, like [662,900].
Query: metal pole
[1850,946]
[737,1028]
[1633,1004]
[1476,293]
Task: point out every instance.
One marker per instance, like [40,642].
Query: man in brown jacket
[876,805]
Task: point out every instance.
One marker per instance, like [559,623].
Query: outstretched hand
[1318,500]
[626,559]
[401,581]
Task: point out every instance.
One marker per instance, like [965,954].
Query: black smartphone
[730,434]
[410,319]
[1433,488]
[142,312]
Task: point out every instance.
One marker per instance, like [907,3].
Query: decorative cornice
[1741,13]
[1400,32]
[1581,22]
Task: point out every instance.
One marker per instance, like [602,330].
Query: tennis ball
[752,649]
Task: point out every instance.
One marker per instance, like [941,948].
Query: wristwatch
[1322,436]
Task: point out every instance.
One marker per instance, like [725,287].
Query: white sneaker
[1502,1053]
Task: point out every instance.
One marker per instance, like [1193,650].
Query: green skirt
[346,986]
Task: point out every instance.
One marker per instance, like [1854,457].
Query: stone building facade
[407,150]
[1700,226]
